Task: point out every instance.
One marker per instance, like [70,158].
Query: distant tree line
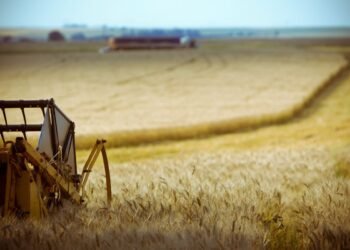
[161,32]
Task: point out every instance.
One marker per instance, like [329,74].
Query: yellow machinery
[35,180]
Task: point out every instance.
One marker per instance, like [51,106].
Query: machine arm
[96,150]
[35,158]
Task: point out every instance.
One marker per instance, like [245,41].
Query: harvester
[35,180]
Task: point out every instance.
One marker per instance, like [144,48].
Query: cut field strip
[147,136]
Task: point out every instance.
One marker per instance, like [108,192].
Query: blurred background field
[141,96]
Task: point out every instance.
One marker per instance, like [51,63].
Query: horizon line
[85,26]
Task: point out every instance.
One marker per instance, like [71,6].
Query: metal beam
[26,103]
[21,128]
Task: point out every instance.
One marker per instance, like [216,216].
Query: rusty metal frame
[45,106]
[22,104]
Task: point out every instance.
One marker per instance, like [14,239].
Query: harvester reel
[34,181]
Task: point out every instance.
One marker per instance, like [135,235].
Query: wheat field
[283,186]
[138,91]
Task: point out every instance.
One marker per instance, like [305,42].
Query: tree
[55,36]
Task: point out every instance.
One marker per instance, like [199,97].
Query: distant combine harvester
[135,43]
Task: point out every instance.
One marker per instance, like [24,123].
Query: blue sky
[175,13]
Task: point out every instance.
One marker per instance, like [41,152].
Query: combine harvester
[145,43]
[33,181]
